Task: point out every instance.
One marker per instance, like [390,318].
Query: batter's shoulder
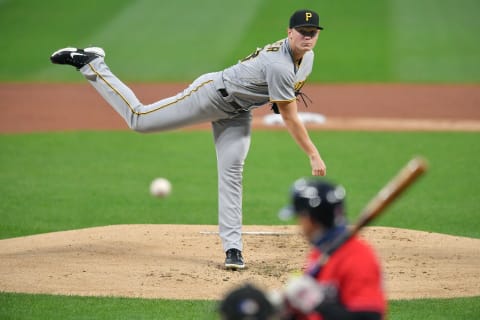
[359,247]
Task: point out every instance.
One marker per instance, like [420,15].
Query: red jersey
[355,271]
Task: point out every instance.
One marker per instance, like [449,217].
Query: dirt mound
[185,261]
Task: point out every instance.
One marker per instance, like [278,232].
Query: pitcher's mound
[186,261]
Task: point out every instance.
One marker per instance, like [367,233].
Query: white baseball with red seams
[160,187]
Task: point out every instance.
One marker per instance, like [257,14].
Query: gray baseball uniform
[223,98]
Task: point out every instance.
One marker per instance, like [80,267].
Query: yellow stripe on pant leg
[150,111]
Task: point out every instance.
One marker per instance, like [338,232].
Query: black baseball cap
[305,18]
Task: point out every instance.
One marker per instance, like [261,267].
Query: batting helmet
[246,303]
[318,198]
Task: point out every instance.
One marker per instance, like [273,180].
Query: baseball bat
[404,178]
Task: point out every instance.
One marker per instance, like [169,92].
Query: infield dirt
[60,107]
[186,262]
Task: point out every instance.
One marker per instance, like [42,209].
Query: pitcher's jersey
[268,74]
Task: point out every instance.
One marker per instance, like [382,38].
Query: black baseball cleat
[234,259]
[76,57]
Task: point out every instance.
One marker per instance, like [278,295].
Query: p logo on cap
[305,18]
[308,15]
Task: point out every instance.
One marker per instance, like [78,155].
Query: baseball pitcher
[271,75]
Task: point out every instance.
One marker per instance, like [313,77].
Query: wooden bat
[405,177]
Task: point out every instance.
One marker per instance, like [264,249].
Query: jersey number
[269,48]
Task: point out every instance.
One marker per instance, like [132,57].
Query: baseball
[160,187]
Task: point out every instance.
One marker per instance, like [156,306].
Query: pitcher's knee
[136,125]
[138,128]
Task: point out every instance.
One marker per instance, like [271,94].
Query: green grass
[26,306]
[355,45]
[146,40]
[435,309]
[60,181]
[33,307]
[85,179]
[432,40]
